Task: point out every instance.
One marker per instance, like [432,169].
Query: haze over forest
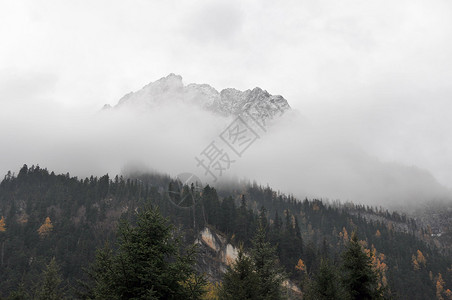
[369,85]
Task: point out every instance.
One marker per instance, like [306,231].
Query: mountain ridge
[85,212]
[227,102]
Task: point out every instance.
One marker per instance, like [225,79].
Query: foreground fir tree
[49,287]
[326,284]
[265,262]
[257,276]
[19,294]
[240,281]
[147,265]
[359,279]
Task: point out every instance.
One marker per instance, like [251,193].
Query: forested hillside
[45,216]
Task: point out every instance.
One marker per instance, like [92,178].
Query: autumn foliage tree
[379,265]
[378,233]
[2,229]
[418,260]
[45,229]
[441,293]
[300,267]
[2,224]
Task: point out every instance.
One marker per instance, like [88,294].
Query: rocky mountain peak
[168,83]
[228,102]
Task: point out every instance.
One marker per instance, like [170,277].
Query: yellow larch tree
[378,263]
[2,224]
[2,229]
[420,258]
[448,294]
[439,287]
[301,267]
[45,228]
[415,263]
[344,235]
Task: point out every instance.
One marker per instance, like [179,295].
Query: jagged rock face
[229,102]
[169,88]
[215,253]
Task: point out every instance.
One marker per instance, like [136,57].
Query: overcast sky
[378,72]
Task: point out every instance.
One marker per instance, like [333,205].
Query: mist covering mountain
[293,154]
[167,124]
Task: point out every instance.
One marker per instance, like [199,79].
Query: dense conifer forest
[59,234]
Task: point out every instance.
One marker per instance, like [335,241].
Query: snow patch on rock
[228,102]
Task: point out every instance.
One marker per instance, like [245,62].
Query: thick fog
[369,84]
[295,155]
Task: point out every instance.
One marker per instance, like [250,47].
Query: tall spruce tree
[265,262]
[147,265]
[240,281]
[326,284]
[257,276]
[49,286]
[359,279]
[19,294]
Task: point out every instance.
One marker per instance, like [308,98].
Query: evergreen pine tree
[49,287]
[359,279]
[240,281]
[326,285]
[147,265]
[19,294]
[265,262]
[277,222]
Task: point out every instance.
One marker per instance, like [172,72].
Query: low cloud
[214,22]
[295,155]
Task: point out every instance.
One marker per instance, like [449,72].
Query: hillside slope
[84,213]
